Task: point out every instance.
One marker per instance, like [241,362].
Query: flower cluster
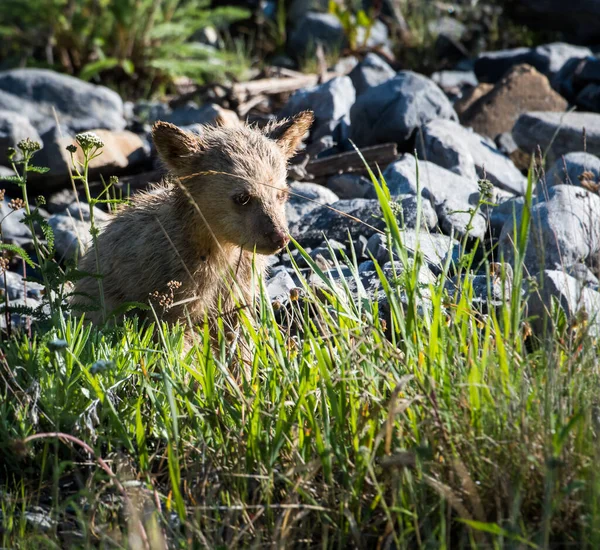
[88,141]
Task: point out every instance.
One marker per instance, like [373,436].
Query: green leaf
[94,68]
[18,250]
[37,169]
[495,529]
[362,19]
[13,179]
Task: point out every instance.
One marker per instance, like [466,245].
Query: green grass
[421,424]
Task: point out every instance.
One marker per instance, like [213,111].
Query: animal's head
[237,175]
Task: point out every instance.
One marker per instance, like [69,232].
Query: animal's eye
[242,199]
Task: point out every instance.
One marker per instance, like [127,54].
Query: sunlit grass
[411,422]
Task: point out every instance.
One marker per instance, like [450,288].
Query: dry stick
[69,168]
[101,463]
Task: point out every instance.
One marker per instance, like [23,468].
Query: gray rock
[190,115]
[297,9]
[589,98]
[302,199]
[573,296]
[371,71]
[506,211]
[451,195]
[53,155]
[436,249]
[280,285]
[567,169]
[151,111]
[314,29]
[350,186]
[345,65]
[548,59]
[15,287]
[80,106]
[14,127]
[330,102]
[560,133]
[12,229]
[392,111]
[565,230]
[378,36]
[71,236]
[447,26]
[462,151]
[506,143]
[448,80]
[60,201]
[325,223]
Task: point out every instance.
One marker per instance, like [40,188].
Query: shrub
[143,43]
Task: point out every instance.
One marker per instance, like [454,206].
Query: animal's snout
[278,238]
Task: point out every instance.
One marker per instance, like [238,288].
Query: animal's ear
[288,133]
[175,147]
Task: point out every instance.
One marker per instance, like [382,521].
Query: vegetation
[140,45]
[412,420]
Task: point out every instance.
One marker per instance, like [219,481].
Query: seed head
[4,263]
[2,191]
[88,141]
[10,153]
[16,204]
[72,149]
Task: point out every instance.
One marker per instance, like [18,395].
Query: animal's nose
[279,238]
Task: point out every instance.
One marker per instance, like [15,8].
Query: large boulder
[14,127]
[79,105]
[343,219]
[315,29]
[448,144]
[565,231]
[549,59]
[330,102]
[452,196]
[559,133]
[521,90]
[394,110]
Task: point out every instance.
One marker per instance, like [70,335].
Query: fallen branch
[377,155]
[242,91]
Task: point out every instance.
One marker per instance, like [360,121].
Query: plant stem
[93,229]
[36,244]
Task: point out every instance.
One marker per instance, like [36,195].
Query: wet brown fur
[193,229]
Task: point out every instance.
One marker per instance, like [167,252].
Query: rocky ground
[483,120]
